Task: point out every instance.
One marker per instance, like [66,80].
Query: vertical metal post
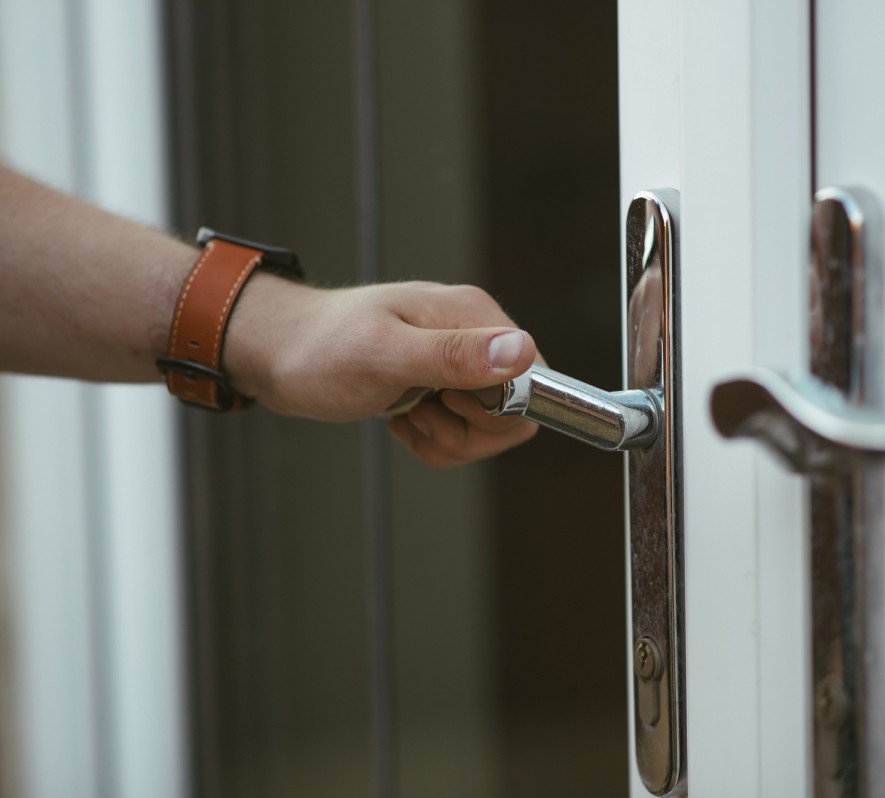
[846,513]
[375,448]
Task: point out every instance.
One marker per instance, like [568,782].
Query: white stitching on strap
[187,287]
[230,297]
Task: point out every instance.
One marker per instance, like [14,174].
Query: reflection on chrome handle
[614,421]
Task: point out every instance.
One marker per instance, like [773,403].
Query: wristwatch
[192,365]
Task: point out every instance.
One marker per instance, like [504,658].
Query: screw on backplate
[831,703]
[647,661]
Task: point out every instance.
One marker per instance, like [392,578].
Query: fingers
[456,337]
[457,430]
[465,359]
[465,405]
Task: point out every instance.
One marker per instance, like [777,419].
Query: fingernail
[505,349]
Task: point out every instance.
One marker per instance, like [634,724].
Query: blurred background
[199,605]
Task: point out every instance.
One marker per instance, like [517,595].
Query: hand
[347,354]
[72,307]
[456,430]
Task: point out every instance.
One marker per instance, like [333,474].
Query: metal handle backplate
[830,424]
[645,421]
[654,490]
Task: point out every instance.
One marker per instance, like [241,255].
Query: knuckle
[482,307]
[418,285]
[432,456]
[474,295]
[450,442]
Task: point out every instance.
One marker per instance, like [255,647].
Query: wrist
[177,262]
[194,364]
[269,315]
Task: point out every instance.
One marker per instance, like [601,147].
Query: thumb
[467,358]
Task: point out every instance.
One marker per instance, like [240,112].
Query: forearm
[84,293]
[89,295]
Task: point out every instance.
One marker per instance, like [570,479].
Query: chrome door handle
[612,421]
[645,420]
[806,423]
[830,425]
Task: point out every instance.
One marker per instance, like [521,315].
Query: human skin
[90,295]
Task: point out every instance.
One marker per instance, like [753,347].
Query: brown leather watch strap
[193,358]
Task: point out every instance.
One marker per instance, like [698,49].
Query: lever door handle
[615,421]
[808,424]
[830,425]
[645,421]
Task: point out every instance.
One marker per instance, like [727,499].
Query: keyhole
[647,659]
[647,662]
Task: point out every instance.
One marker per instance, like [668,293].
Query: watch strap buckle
[204,305]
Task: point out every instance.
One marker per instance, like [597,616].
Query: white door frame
[91,540]
[715,101]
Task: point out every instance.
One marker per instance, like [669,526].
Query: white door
[747,108]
